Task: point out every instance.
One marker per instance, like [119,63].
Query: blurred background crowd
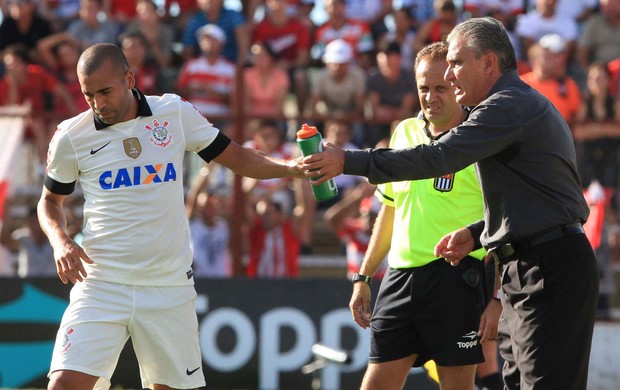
[258,69]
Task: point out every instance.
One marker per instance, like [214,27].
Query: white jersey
[135,229]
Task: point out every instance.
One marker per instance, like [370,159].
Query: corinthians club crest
[159,134]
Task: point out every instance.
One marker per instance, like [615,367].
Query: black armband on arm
[216,147]
[57,187]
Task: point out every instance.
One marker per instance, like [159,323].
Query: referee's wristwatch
[361,278]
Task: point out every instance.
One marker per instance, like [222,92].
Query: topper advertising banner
[254,334]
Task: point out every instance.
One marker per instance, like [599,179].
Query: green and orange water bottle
[310,141]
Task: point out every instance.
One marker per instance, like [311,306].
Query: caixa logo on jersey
[137,176]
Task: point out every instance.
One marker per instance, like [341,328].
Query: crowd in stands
[350,74]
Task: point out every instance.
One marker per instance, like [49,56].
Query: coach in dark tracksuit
[534,207]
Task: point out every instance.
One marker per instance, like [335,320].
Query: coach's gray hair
[483,35]
[96,55]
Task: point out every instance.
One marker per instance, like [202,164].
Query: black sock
[492,382]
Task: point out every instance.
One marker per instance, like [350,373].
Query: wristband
[361,278]
[498,294]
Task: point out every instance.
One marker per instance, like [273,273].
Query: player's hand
[296,168]
[456,245]
[325,165]
[69,258]
[360,304]
[489,321]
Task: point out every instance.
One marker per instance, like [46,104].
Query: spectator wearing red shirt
[207,81]
[266,85]
[121,11]
[28,84]
[59,53]
[437,28]
[289,39]
[354,32]
[274,246]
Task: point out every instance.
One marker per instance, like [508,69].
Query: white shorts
[161,322]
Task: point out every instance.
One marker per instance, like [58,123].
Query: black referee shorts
[430,311]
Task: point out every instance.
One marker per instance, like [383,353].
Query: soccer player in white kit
[132,274]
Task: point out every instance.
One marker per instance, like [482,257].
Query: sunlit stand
[324,356]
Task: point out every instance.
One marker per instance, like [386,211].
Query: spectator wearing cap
[356,32]
[207,81]
[338,90]
[543,20]
[233,23]
[391,93]
[549,61]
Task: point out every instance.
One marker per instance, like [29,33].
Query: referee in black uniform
[534,207]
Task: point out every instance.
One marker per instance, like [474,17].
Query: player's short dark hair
[436,51]
[96,55]
[484,35]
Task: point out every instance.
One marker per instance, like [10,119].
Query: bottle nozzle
[307,131]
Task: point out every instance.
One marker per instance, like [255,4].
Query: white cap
[212,30]
[338,52]
[553,42]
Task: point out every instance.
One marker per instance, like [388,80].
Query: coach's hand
[360,304]
[69,258]
[325,165]
[489,321]
[456,245]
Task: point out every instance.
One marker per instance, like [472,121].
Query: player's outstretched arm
[251,163]
[67,254]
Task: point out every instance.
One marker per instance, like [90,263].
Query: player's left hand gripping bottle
[310,141]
